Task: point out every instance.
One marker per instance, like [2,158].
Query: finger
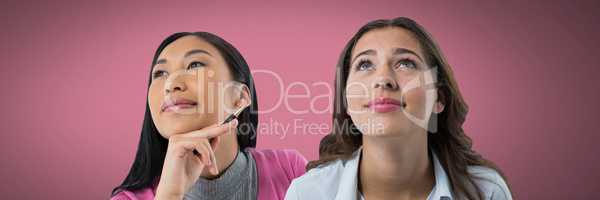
[201,166]
[197,159]
[205,153]
[213,166]
[185,148]
[212,131]
[214,143]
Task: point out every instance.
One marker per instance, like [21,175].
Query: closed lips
[178,103]
[381,101]
[384,105]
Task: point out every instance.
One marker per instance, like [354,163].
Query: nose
[386,83]
[172,86]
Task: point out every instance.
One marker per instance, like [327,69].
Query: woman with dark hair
[188,147]
[397,125]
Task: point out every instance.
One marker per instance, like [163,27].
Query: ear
[243,96]
[438,107]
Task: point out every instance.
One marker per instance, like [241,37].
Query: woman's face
[390,88]
[186,92]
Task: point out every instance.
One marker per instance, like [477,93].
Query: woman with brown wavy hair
[397,125]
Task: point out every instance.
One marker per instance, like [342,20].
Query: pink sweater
[276,169]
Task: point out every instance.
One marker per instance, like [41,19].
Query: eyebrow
[367,52]
[195,51]
[395,52]
[187,54]
[403,51]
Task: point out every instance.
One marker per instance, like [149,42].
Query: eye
[158,73]
[364,65]
[195,64]
[406,64]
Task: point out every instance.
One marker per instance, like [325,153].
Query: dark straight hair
[450,143]
[152,147]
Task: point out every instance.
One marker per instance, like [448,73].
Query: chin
[185,123]
[387,126]
[180,127]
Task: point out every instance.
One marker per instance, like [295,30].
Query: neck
[395,167]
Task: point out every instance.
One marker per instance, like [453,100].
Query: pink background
[74,80]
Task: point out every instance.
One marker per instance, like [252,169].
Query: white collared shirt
[339,180]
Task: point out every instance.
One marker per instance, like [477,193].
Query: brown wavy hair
[451,145]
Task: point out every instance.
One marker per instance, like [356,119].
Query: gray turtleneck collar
[239,181]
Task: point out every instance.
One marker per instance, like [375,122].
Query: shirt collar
[441,190]
[348,186]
